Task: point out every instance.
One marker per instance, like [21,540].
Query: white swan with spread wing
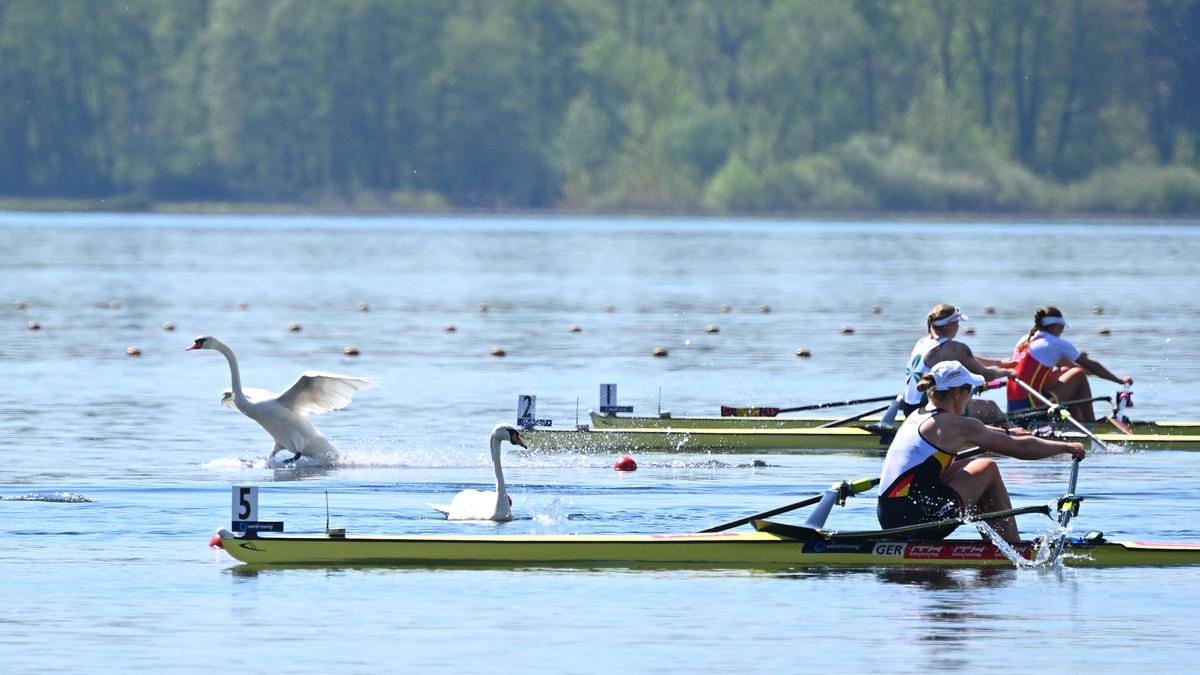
[285,416]
[486,504]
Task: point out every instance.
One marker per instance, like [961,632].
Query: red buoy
[626,463]
[215,542]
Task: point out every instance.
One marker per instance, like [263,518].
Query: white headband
[1054,321]
[950,319]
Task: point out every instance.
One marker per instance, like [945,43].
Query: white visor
[952,375]
[1054,321]
[956,316]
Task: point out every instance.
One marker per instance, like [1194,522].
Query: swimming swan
[486,505]
[284,416]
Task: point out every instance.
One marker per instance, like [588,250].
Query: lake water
[124,581]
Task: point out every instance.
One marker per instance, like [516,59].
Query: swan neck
[499,470]
[234,374]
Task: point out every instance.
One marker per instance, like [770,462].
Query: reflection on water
[942,579]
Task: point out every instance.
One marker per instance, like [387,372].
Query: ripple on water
[58,497]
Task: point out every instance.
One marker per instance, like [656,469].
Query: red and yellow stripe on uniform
[1031,372]
[901,487]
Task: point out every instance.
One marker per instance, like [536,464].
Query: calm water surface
[125,581]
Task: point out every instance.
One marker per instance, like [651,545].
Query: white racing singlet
[917,367]
[906,455]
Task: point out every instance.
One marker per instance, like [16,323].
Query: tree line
[745,106]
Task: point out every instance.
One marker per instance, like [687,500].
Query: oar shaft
[838,404]
[847,420]
[1042,409]
[771,411]
[859,486]
[1050,404]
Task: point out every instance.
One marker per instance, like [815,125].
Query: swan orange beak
[517,440]
[195,345]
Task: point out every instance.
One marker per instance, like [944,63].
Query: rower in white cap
[923,481]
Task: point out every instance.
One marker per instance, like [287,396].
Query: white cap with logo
[952,375]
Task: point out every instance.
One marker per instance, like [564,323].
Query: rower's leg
[1072,385]
[982,489]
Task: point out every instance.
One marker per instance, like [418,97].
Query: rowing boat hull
[607,422]
[722,550]
[781,440]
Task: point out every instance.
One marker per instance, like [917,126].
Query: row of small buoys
[484,307]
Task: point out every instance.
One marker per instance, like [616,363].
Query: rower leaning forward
[1055,367]
[923,481]
[937,346]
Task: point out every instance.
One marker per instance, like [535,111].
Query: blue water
[124,464]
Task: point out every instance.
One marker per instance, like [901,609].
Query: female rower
[923,481]
[939,345]
[1055,367]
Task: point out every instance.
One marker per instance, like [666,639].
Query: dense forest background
[696,106]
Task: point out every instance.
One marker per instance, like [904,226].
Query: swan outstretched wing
[253,394]
[317,392]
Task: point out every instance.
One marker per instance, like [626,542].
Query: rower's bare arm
[1019,446]
[1094,367]
[979,366]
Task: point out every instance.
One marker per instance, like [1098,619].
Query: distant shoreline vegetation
[694,107]
[797,190]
